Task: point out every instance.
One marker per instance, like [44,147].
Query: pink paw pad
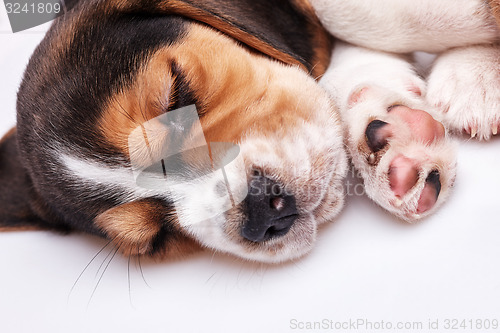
[404,174]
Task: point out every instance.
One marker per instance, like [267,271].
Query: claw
[473,132]
[371,159]
[494,129]
[398,202]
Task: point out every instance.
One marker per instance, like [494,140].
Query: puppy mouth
[271,224]
[276,229]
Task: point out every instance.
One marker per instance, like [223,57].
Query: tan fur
[495,9]
[133,226]
[321,37]
[23,228]
[322,40]
[149,97]
[242,98]
[7,135]
[229,80]
[179,7]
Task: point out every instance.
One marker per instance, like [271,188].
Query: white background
[366,264]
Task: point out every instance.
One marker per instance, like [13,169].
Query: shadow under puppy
[109,69]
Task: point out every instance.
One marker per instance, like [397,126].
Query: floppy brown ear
[285,30]
[20,207]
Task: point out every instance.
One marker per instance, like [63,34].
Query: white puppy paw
[405,157]
[464,86]
[407,161]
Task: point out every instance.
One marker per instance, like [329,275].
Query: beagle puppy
[169,126]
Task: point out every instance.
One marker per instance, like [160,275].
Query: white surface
[366,265]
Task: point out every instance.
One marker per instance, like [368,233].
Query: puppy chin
[295,244]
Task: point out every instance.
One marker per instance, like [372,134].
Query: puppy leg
[464,86]
[408,25]
[353,66]
[403,154]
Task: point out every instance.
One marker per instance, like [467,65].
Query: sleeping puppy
[166,126]
[392,120]
[148,122]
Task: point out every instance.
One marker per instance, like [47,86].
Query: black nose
[271,211]
[375,139]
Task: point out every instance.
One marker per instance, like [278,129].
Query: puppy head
[203,142]
[405,155]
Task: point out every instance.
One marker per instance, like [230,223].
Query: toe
[430,193]
[403,175]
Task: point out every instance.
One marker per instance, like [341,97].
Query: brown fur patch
[231,84]
[134,226]
[7,135]
[235,87]
[150,96]
[322,41]
[495,8]
[198,14]
[23,228]
[227,23]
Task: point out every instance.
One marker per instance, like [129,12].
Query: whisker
[86,267]
[210,278]
[263,270]
[238,277]
[213,256]
[312,70]
[143,112]
[128,276]
[167,92]
[296,262]
[317,78]
[142,273]
[142,98]
[124,112]
[100,278]
[102,264]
